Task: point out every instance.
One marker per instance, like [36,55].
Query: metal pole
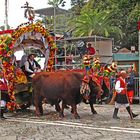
[113,48]
[97,49]
[65,55]
[54,30]
[6,15]
[139,64]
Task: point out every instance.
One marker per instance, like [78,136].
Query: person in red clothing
[4,95]
[90,49]
[130,84]
[121,96]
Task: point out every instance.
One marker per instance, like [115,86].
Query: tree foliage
[77,5]
[113,18]
[126,16]
[56,3]
[92,22]
[3,27]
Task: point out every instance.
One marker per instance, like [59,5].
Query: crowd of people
[67,58]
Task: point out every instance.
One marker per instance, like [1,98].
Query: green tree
[56,3]
[110,17]
[93,22]
[3,27]
[58,20]
[77,5]
[126,16]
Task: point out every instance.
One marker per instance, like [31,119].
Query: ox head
[90,87]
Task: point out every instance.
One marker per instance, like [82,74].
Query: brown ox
[61,86]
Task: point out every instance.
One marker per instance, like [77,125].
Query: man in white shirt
[121,96]
[31,66]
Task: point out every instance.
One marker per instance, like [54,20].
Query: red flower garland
[7,67]
[6,51]
[37,27]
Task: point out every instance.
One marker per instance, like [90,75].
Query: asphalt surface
[26,126]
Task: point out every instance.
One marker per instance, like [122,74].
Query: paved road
[25,126]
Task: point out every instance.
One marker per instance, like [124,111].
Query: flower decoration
[7,67]
[6,51]
[20,77]
[96,63]
[51,60]
[87,65]
[87,62]
[110,70]
[37,27]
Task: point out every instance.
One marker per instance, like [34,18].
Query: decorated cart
[27,35]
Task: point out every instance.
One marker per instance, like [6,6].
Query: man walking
[121,96]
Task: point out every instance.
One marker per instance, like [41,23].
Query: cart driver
[31,66]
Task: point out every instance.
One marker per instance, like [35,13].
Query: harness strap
[84,88]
